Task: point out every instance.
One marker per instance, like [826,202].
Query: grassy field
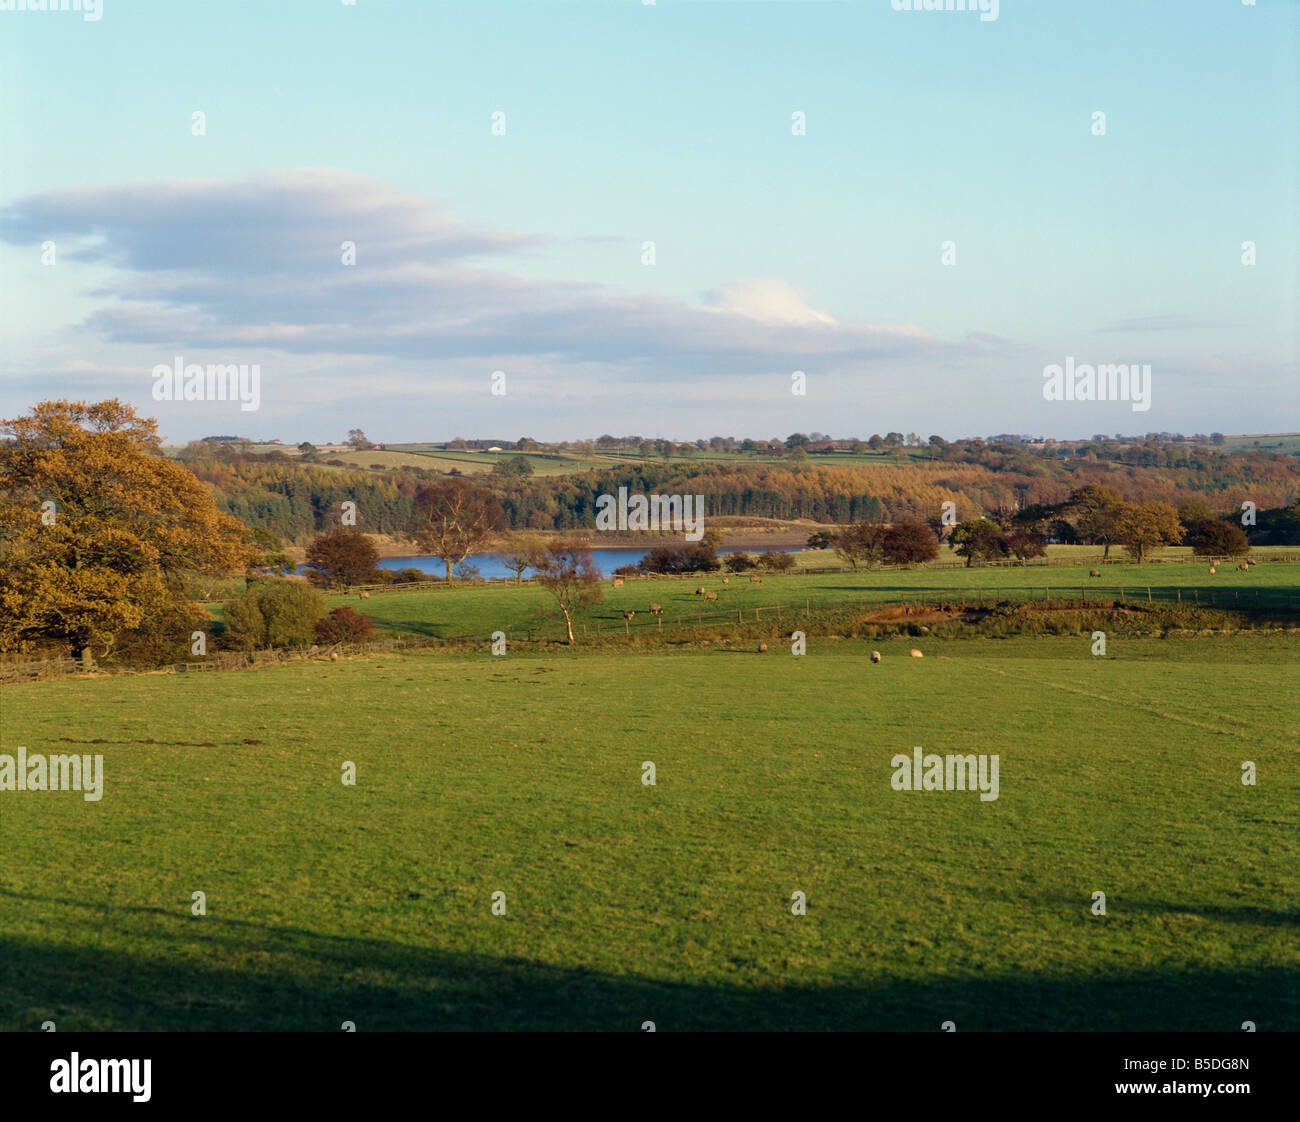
[448,613]
[670,903]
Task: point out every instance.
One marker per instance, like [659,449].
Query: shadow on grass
[226,975]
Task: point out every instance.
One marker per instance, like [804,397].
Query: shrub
[775,561]
[273,613]
[343,625]
[739,562]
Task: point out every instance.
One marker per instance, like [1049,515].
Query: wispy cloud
[257,264]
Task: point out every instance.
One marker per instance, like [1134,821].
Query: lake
[489,565]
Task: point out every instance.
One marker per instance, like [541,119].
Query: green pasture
[670,903]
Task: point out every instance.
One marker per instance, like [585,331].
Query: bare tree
[453,518]
[568,573]
[521,554]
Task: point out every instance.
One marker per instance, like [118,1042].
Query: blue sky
[670,123]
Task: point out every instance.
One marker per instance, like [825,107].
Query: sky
[919,210]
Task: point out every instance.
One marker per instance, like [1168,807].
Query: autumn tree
[569,574]
[1140,528]
[909,542]
[862,543]
[99,532]
[453,518]
[342,558]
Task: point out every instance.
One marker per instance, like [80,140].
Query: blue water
[489,565]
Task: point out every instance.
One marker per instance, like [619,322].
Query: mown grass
[669,903]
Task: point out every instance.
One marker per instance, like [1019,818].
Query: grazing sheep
[1243,568]
[628,613]
[618,582]
[762,648]
[755,579]
[1094,572]
[1251,561]
[365,595]
[915,653]
[656,610]
[334,656]
[726,580]
[1211,570]
[875,656]
[710,596]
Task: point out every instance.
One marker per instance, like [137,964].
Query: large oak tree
[98,532]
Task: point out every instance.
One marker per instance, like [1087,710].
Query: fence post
[1148,594]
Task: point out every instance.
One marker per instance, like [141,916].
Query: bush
[273,613]
[409,575]
[775,561]
[343,625]
[739,562]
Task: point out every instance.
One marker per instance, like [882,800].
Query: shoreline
[749,538]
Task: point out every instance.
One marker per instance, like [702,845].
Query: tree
[568,573]
[342,558]
[909,542]
[514,470]
[98,532]
[979,540]
[358,440]
[820,539]
[1142,528]
[862,543]
[521,554]
[1097,509]
[453,518]
[776,561]
[1024,544]
[1213,538]
[273,613]
[271,553]
[343,625]
[307,450]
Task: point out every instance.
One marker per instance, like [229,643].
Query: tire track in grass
[1242,726]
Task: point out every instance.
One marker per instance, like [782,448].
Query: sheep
[915,653]
[699,591]
[754,578]
[1251,561]
[875,656]
[656,610]
[628,613]
[1094,572]
[334,656]
[1243,568]
[618,582]
[365,595]
[726,580]
[1212,570]
[762,648]
[710,596]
